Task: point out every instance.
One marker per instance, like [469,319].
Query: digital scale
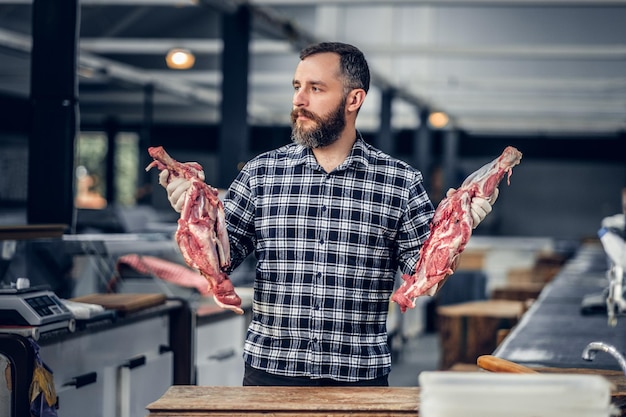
[32,311]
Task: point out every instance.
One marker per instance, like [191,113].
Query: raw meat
[165,270]
[201,235]
[451,229]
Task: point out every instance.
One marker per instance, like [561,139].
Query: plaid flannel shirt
[328,247]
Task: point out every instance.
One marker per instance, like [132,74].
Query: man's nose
[299,98]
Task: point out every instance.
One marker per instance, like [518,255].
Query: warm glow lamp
[438,119]
[179,58]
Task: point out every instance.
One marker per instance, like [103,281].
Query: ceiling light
[438,119]
[179,58]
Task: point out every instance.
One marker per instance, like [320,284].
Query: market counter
[200,401]
[555,330]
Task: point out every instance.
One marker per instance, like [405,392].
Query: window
[91,170]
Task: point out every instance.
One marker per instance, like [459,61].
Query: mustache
[295,113]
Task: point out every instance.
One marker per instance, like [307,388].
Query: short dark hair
[352,63]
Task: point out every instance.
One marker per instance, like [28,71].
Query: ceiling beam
[15,41]
[139,46]
[434,85]
[229,5]
[120,2]
[214,46]
[467,3]
[97,66]
[565,84]
[543,51]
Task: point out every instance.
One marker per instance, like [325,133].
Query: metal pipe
[589,353]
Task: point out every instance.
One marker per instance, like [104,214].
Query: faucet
[615,302]
[589,353]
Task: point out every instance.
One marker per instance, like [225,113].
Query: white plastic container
[486,394]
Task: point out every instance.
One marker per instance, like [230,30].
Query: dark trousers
[257,377]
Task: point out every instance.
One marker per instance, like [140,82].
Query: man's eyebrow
[314,82]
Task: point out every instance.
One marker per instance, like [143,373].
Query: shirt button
[323,209]
[318,275]
[321,241]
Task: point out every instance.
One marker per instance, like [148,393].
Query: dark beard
[326,132]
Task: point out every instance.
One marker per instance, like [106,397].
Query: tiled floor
[417,355]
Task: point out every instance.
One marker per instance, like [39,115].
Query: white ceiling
[497,67]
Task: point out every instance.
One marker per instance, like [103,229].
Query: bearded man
[331,221]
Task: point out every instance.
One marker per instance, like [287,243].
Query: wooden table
[204,401]
[200,401]
[469,330]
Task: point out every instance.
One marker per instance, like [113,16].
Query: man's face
[318,115]
[323,131]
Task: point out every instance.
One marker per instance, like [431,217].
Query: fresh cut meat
[201,235]
[165,270]
[451,229]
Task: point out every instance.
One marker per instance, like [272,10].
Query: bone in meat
[201,234]
[451,229]
[165,270]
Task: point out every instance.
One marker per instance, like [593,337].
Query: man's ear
[355,99]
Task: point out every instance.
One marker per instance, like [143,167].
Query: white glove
[176,188]
[480,207]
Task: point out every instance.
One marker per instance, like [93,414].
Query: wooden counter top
[204,401]
[197,401]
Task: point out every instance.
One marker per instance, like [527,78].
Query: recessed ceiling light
[179,58]
[438,119]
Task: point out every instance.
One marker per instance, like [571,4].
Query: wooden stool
[469,330]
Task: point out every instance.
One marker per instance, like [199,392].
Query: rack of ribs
[201,234]
[451,229]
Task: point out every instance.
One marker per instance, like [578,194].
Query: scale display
[31,307]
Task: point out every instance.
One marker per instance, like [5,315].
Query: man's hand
[176,188]
[480,207]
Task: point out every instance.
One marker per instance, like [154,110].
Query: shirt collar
[358,156]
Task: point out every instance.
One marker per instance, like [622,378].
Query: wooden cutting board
[123,303]
[200,401]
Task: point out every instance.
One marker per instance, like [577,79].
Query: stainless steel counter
[554,332]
